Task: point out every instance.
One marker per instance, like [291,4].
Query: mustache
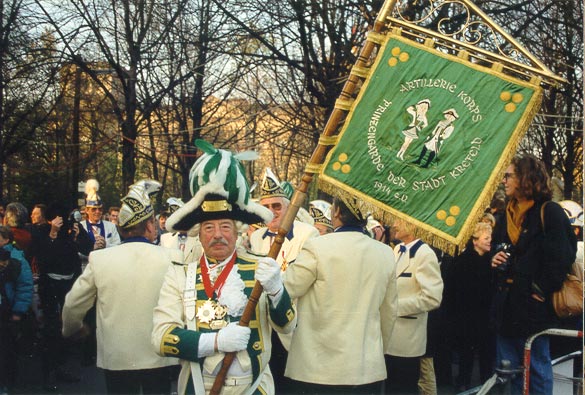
[220,242]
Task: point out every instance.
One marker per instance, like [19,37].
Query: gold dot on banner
[345,169]
[342,157]
[336,166]
[395,51]
[510,107]
[505,96]
[450,221]
[441,215]
[404,56]
[517,98]
[392,62]
[454,210]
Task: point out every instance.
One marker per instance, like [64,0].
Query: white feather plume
[92,186]
[247,155]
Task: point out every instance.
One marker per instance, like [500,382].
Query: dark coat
[61,255]
[540,261]
[469,293]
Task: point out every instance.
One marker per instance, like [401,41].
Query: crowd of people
[349,305]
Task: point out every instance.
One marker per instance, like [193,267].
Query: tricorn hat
[136,205]
[320,210]
[271,186]
[220,190]
[92,199]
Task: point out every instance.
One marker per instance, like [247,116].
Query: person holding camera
[59,265]
[530,265]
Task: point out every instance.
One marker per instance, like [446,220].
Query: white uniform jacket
[260,242]
[192,249]
[345,283]
[126,280]
[110,233]
[420,290]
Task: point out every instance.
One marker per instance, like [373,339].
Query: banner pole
[317,158]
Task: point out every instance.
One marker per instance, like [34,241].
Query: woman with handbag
[531,263]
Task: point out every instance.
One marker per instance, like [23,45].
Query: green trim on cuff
[181,343]
[284,312]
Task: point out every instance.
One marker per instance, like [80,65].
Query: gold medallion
[206,312]
[220,311]
[217,324]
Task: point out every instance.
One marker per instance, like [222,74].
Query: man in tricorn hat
[202,302]
[125,280]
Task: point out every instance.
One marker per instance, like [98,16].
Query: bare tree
[26,82]
[554,32]
[126,35]
[296,55]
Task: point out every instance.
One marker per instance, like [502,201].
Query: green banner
[426,138]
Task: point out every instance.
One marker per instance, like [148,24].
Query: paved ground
[29,380]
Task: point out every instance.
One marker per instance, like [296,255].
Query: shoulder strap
[542,215]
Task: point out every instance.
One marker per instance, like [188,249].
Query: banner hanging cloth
[427,138]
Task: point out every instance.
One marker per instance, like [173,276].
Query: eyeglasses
[95,209]
[507,176]
[274,206]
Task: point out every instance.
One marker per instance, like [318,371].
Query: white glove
[233,338]
[268,275]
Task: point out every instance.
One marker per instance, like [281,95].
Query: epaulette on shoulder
[245,251]
[249,255]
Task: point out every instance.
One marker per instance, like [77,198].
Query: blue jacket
[20,293]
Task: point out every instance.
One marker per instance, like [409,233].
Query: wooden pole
[335,119]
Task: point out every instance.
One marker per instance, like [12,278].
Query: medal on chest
[284,265]
[211,312]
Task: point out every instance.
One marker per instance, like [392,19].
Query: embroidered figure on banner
[435,140]
[419,121]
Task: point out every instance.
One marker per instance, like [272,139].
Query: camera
[74,217]
[507,249]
